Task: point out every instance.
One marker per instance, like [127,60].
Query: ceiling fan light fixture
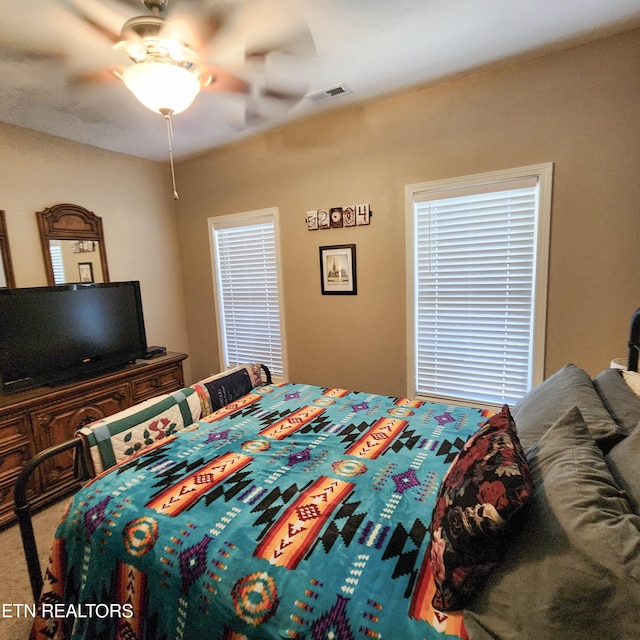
[162,86]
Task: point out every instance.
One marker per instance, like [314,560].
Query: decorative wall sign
[362,214]
[349,216]
[83,246]
[312,220]
[338,270]
[323,219]
[338,217]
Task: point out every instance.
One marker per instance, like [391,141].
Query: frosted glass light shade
[161,85]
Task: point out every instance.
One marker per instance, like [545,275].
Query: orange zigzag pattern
[178,497]
[378,438]
[131,588]
[298,527]
[281,429]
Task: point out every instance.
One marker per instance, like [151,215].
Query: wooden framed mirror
[73,245]
[7,279]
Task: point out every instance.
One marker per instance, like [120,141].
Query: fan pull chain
[167,116]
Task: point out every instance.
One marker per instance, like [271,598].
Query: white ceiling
[371,46]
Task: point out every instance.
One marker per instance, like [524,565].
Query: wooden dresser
[33,420]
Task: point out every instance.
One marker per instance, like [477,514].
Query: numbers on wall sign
[338,217]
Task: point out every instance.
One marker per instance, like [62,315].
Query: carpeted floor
[14,581]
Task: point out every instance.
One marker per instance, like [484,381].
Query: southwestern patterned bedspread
[295,511]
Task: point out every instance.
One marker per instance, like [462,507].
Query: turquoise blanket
[294,512]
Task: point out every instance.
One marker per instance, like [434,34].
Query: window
[57,263]
[477,264]
[247,290]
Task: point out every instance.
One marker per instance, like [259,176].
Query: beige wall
[133,199]
[577,108]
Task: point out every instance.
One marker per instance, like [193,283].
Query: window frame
[247,218]
[544,174]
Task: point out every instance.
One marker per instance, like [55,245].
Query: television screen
[49,335]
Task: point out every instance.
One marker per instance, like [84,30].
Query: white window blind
[247,290]
[57,264]
[476,281]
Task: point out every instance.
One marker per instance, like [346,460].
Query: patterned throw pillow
[220,389]
[487,484]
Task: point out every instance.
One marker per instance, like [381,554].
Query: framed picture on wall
[86,271]
[338,270]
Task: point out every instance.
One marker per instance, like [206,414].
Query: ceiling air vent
[329,94]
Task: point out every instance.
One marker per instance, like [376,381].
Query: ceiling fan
[177,51]
[197,41]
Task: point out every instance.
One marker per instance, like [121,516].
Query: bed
[287,510]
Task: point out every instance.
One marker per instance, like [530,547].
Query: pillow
[222,388]
[545,404]
[624,462]
[486,485]
[112,439]
[575,563]
[621,402]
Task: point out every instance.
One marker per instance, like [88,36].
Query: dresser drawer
[14,429]
[163,381]
[7,487]
[58,423]
[15,451]
[32,420]
[14,457]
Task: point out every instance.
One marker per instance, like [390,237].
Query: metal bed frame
[22,505]
[634,342]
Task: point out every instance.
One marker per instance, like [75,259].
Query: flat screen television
[51,335]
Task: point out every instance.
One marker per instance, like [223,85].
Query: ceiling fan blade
[273,26]
[253,117]
[20,54]
[99,76]
[266,103]
[260,27]
[132,4]
[100,17]
[247,118]
[288,97]
[256,114]
[216,79]
[194,25]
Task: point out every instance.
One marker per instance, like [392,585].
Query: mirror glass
[3,277]
[72,244]
[76,261]
[6,268]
